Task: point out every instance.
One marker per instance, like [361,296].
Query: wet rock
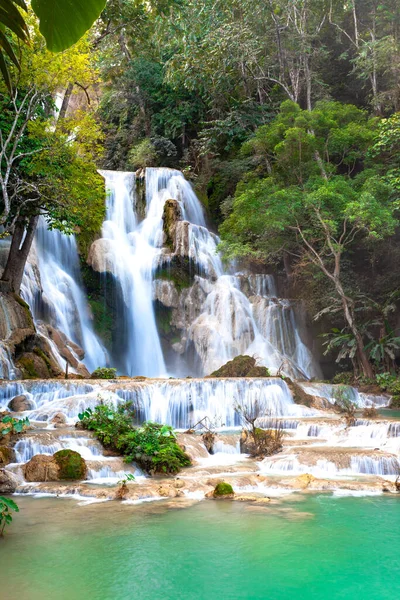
[58,420]
[101,256]
[20,403]
[222,490]
[171,215]
[8,482]
[7,455]
[238,367]
[41,468]
[167,491]
[245,498]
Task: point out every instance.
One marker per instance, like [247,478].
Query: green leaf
[63,22]
[10,503]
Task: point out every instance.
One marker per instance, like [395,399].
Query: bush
[11,425]
[385,380]
[104,373]
[344,378]
[152,446]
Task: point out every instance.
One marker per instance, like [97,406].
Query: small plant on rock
[262,442]
[104,373]
[123,486]
[12,425]
[6,507]
[345,404]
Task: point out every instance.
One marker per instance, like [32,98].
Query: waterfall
[60,300]
[133,247]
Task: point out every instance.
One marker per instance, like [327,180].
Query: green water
[318,548]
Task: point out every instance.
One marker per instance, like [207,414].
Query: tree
[62,25]
[315,216]
[46,167]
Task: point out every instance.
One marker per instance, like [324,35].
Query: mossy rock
[223,489]
[71,465]
[258,372]
[240,366]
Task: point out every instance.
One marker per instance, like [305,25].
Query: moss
[26,308]
[45,358]
[223,489]
[27,365]
[102,319]
[181,277]
[71,465]
[238,367]
[258,372]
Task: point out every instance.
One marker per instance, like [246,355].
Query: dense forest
[282,114]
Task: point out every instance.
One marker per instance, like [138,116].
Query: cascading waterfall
[238,314]
[60,300]
[132,250]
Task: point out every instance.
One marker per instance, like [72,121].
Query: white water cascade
[60,300]
[223,314]
[132,248]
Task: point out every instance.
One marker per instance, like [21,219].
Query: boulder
[41,468]
[8,482]
[71,465]
[63,465]
[223,490]
[20,403]
[58,420]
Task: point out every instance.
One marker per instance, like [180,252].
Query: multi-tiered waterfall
[217,316]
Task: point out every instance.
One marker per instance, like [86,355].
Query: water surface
[320,547]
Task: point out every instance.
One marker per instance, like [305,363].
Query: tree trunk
[65,102]
[363,358]
[14,270]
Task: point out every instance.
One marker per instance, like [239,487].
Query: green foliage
[223,489]
[104,373]
[13,425]
[62,23]
[385,380]
[6,507]
[344,378]
[71,465]
[142,155]
[152,446]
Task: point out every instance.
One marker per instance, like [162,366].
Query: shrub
[370,412]
[104,373]
[6,506]
[71,464]
[385,380]
[223,489]
[152,446]
[11,425]
[344,378]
